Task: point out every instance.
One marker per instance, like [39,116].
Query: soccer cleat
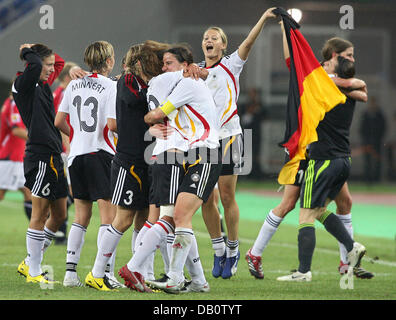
[163,279]
[361,273]
[230,266]
[114,282]
[133,280]
[173,286]
[23,269]
[356,254]
[101,284]
[72,281]
[218,265]
[168,286]
[254,265]
[297,276]
[41,278]
[194,287]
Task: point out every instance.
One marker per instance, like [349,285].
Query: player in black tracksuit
[43,166]
[328,170]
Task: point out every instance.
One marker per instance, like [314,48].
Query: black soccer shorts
[90,176]
[129,185]
[323,179]
[45,175]
[167,173]
[202,173]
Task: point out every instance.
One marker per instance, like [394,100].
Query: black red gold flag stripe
[311,94]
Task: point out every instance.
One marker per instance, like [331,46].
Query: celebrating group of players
[151,147]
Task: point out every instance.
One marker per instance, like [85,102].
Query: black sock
[336,228]
[27,205]
[306,246]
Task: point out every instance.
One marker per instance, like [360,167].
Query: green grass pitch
[278,259]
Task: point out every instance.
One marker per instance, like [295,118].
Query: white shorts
[11,175]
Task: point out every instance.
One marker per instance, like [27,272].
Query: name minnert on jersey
[87,84]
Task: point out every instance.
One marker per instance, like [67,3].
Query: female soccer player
[191,111]
[89,102]
[167,174]
[223,81]
[43,165]
[292,192]
[129,180]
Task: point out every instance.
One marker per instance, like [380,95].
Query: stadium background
[77,23]
[123,23]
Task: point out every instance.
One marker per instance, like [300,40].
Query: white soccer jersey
[159,89]
[90,101]
[195,116]
[223,82]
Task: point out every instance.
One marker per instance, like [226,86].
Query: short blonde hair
[222,34]
[96,54]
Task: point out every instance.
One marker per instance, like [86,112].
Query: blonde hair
[222,34]
[149,54]
[96,54]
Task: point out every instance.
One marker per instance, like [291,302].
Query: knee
[180,217]
[227,197]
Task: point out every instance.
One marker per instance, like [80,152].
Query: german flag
[311,94]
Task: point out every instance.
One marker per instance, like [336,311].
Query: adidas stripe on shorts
[45,175]
[323,179]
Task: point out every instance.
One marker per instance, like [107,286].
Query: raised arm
[30,77]
[286,52]
[247,44]
[59,64]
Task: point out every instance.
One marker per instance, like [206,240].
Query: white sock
[232,248]
[219,246]
[149,267]
[34,246]
[346,219]
[75,243]
[267,230]
[147,225]
[101,231]
[180,249]
[48,237]
[135,234]
[165,254]
[150,242]
[194,265]
[107,246]
[169,243]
